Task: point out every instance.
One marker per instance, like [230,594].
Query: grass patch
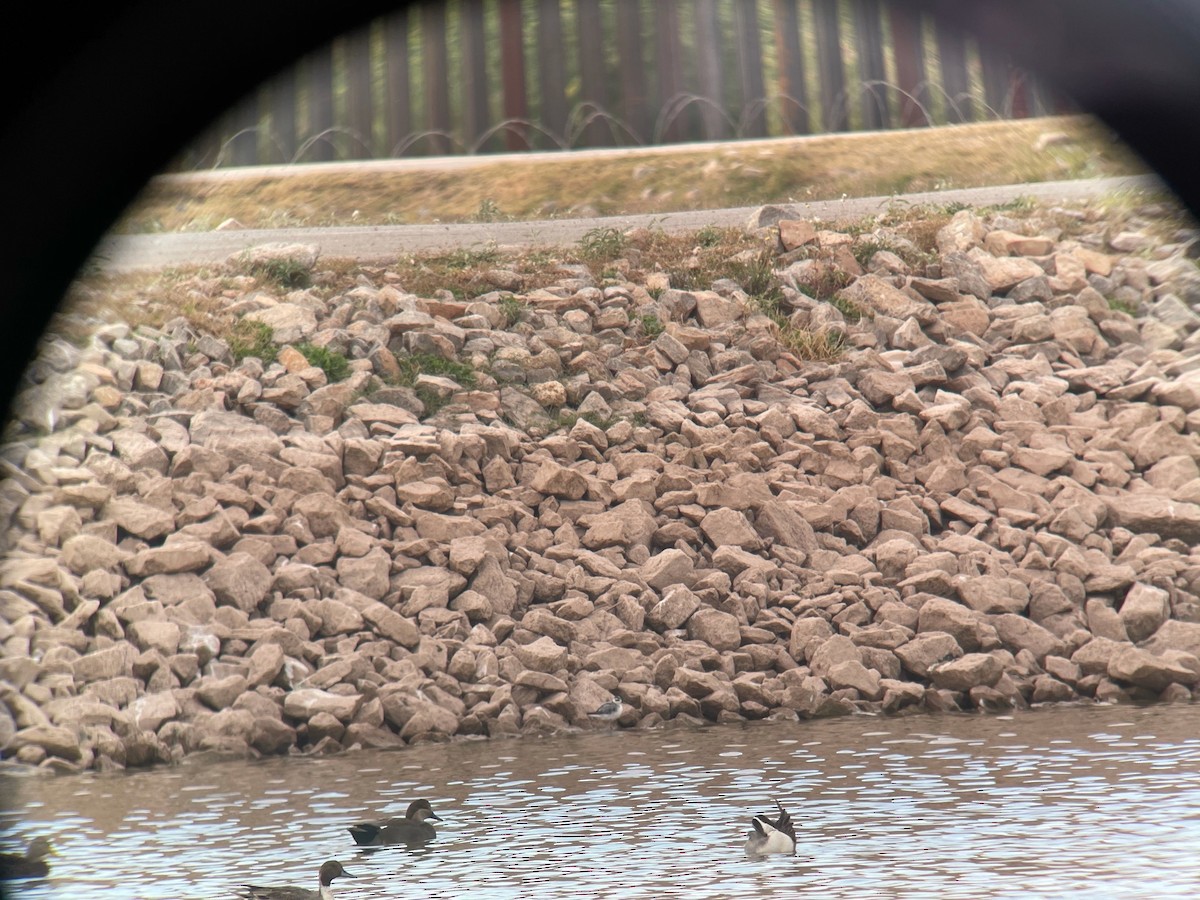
[249,338]
[823,167]
[1124,306]
[818,345]
[850,310]
[416,364]
[512,309]
[488,211]
[335,365]
[566,419]
[602,244]
[650,325]
[289,274]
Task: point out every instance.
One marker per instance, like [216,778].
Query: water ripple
[1101,802]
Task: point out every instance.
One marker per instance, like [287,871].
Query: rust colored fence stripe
[908,49]
[512,74]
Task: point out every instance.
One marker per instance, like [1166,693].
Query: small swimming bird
[329,871]
[412,830]
[772,837]
[610,711]
[30,864]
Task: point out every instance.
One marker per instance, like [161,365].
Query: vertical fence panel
[512,74]
[1003,87]
[359,109]
[669,125]
[830,66]
[242,146]
[594,93]
[872,75]
[909,51]
[631,87]
[793,99]
[474,73]
[952,52]
[633,70]
[283,117]
[1021,92]
[709,71]
[398,88]
[320,105]
[753,115]
[437,75]
[552,70]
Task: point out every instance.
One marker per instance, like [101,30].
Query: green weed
[335,365]
[287,273]
[602,243]
[249,338]
[850,310]
[512,309]
[489,211]
[1118,305]
[819,345]
[416,364]
[651,326]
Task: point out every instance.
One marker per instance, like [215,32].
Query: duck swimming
[772,837]
[412,830]
[329,871]
[30,864]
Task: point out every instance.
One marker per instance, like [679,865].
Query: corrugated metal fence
[474,76]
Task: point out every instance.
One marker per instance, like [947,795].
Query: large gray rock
[677,605]
[542,655]
[1154,671]
[966,672]
[305,703]
[1019,633]
[239,580]
[1152,513]
[927,650]
[717,629]
[1144,611]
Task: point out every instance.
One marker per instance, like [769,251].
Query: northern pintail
[329,871]
[772,837]
[610,711]
[412,830]
[30,864]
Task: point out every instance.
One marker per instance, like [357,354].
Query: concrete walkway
[387,242]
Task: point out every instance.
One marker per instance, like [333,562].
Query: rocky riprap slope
[989,499]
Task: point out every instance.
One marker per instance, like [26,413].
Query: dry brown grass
[825,167]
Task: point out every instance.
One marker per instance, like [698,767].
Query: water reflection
[1098,802]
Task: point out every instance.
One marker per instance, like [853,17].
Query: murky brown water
[1079,802]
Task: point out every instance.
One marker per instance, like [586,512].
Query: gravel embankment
[991,499]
